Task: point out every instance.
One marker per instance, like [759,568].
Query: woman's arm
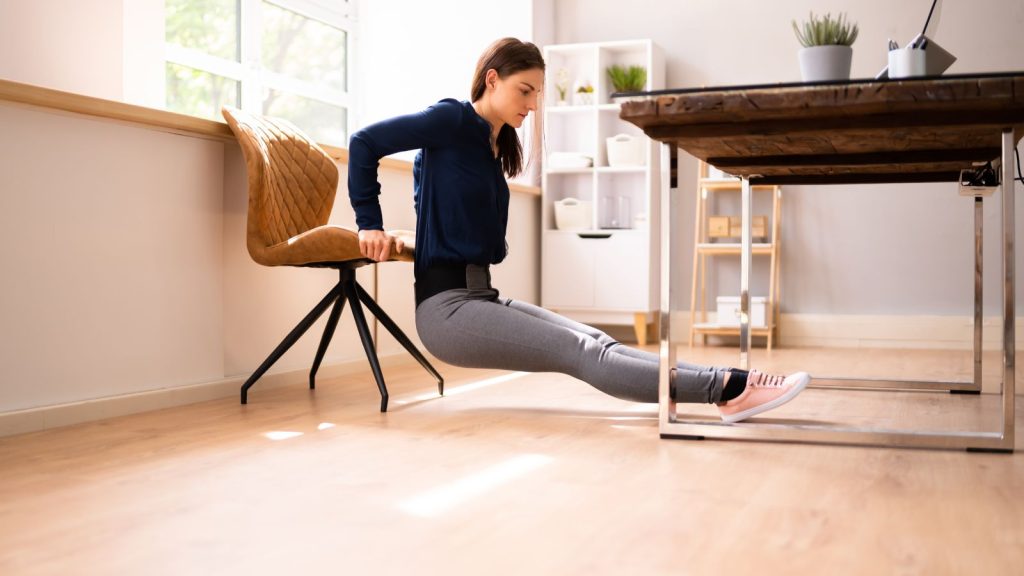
[434,126]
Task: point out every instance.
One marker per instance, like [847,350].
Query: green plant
[826,31]
[562,85]
[632,79]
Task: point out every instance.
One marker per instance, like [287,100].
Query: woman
[467,149]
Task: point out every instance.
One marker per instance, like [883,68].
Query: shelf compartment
[727,249]
[716,184]
[580,64]
[713,329]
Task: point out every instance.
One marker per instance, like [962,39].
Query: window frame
[248,71]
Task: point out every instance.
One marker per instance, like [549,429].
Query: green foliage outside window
[209,26]
[290,44]
[198,93]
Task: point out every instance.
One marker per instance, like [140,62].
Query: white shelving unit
[600,275]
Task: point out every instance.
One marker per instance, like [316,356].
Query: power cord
[925,29]
[1020,176]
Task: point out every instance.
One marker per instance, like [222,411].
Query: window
[285,58]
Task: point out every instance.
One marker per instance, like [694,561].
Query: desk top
[906,130]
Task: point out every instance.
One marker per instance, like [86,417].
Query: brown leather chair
[292,184]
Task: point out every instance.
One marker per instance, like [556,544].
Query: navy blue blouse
[460,192]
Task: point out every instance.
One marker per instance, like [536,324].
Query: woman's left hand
[377,244]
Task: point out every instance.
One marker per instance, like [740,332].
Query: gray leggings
[475,328]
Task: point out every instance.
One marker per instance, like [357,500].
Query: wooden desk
[861,131]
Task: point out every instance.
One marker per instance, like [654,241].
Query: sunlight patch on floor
[282,434]
[470,387]
[441,499]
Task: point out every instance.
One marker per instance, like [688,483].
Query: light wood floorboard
[512,474]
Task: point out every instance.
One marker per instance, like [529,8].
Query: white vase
[823,63]
[583,98]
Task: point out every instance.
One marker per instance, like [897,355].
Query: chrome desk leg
[978,283]
[667,347]
[745,228]
[955,386]
[1009,308]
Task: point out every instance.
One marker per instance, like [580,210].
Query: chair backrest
[292,181]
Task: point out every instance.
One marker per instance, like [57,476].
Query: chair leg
[332,323]
[364,335]
[399,335]
[291,338]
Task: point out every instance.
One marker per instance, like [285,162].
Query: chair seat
[327,243]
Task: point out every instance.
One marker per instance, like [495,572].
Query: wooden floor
[511,474]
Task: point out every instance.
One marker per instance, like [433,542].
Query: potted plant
[632,79]
[826,52]
[562,85]
[584,95]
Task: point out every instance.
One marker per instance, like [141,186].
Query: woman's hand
[376,244]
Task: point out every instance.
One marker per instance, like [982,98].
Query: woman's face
[516,95]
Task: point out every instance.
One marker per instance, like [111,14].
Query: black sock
[735,386]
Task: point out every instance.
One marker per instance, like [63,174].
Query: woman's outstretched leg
[475,329]
[603,338]
[743,393]
[472,328]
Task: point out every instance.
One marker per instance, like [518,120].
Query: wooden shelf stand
[705,248]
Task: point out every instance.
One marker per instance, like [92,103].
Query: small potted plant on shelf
[562,86]
[827,51]
[632,79]
[584,95]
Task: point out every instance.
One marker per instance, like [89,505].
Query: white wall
[143,81]
[412,53]
[113,277]
[70,46]
[882,249]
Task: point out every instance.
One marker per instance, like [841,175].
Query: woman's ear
[491,78]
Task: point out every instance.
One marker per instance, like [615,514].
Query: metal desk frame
[672,425]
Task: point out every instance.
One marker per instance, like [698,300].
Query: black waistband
[438,278]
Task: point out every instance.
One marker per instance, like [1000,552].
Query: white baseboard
[870,331]
[920,332]
[45,417]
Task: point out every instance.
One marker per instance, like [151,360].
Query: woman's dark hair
[509,56]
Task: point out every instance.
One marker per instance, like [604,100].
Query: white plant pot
[823,63]
[583,98]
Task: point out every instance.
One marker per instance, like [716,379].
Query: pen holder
[907,62]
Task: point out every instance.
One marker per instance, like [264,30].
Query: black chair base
[346,289]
